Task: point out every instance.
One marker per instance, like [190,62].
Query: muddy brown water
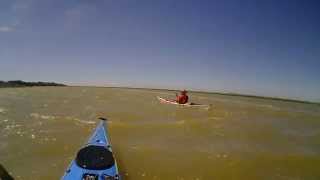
[239,138]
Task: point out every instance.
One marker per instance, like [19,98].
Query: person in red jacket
[182,98]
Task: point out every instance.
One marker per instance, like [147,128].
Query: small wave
[2,110]
[12,126]
[81,121]
[5,120]
[269,106]
[180,122]
[134,147]
[85,122]
[215,118]
[40,116]
[47,117]
[35,115]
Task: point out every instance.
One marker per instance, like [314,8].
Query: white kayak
[166,101]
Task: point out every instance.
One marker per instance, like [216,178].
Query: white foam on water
[40,116]
[86,122]
[215,118]
[134,147]
[180,122]
[12,126]
[35,115]
[81,121]
[47,117]
[3,110]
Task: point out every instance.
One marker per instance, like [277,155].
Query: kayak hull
[95,159]
[166,101]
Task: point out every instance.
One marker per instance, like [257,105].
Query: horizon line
[221,92]
[204,91]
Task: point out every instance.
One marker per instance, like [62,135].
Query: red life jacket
[182,99]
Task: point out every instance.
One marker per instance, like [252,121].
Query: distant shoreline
[206,92]
[19,83]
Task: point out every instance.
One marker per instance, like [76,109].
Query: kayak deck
[94,161]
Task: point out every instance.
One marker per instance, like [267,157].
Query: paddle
[4,175]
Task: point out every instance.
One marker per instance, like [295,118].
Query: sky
[265,47]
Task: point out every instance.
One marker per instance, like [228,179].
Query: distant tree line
[19,83]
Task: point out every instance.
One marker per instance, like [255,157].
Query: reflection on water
[239,138]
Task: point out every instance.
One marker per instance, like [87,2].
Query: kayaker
[182,98]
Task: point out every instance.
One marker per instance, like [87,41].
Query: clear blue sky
[265,47]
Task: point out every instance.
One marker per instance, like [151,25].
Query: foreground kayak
[94,161]
[166,101]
